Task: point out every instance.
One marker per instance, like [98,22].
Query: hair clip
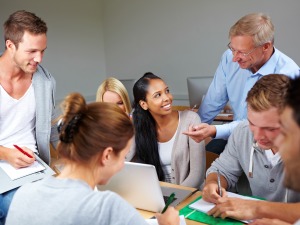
[69,130]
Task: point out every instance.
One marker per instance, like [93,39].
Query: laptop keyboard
[166,199]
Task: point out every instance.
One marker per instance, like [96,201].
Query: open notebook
[22,172]
[204,206]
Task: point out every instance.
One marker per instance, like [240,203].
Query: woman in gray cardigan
[159,140]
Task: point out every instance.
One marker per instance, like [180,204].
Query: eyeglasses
[237,52]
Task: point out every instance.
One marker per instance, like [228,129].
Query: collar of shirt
[270,65]
[276,157]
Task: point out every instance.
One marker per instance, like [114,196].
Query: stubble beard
[22,67]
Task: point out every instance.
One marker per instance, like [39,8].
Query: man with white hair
[251,55]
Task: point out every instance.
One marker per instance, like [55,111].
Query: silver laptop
[197,89]
[138,184]
[7,184]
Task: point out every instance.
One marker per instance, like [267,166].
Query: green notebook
[204,218]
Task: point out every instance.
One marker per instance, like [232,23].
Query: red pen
[21,150]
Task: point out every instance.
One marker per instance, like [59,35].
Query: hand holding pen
[213,190]
[18,159]
[168,215]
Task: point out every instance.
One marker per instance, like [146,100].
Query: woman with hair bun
[94,140]
[159,140]
[113,91]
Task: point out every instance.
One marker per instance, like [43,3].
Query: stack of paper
[22,172]
[204,206]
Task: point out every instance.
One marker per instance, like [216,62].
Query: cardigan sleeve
[131,154]
[54,137]
[197,158]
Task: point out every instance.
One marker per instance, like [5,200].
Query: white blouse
[165,152]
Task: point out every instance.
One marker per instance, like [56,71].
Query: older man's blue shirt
[231,83]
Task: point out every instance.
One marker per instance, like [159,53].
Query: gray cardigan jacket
[44,91]
[188,157]
[266,182]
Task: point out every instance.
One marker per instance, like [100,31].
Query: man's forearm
[213,178]
[288,212]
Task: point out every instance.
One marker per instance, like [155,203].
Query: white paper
[154,221]
[204,206]
[22,172]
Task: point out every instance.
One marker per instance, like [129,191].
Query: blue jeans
[5,200]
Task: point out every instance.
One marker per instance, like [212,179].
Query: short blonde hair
[268,92]
[113,84]
[259,26]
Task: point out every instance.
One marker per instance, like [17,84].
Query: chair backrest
[129,83]
[53,153]
[210,157]
[179,108]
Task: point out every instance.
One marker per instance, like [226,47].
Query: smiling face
[113,97]
[265,127]
[30,51]
[288,143]
[158,98]
[244,44]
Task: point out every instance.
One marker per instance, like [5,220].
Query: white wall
[176,39]
[75,53]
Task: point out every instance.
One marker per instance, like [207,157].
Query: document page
[22,172]
[204,206]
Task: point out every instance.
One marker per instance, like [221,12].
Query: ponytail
[86,130]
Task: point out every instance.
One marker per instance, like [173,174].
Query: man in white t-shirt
[26,96]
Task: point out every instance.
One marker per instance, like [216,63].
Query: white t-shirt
[165,152]
[271,158]
[67,201]
[17,120]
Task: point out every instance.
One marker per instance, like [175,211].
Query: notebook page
[22,172]
[204,206]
